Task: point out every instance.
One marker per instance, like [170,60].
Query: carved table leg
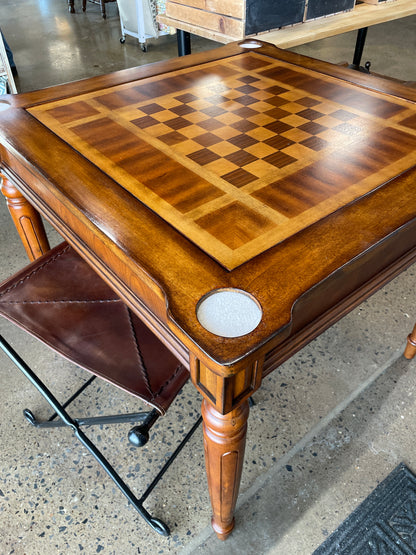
[224,442]
[71,7]
[28,223]
[410,350]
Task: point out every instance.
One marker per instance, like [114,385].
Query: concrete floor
[327,427]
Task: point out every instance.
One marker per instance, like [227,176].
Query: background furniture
[138,19]
[101,3]
[363,15]
[5,70]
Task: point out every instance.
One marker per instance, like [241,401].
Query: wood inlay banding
[262,148]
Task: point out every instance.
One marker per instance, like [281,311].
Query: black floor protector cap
[384,523]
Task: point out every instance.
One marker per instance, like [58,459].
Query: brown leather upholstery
[60,300]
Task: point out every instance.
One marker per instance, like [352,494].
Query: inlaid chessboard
[240,154]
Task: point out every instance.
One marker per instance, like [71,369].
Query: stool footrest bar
[88,421]
[65,420]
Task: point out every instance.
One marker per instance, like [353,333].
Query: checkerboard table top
[241,153]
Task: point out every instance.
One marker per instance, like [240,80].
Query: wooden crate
[236,19]
[320,8]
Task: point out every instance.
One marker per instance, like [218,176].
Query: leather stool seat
[62,302]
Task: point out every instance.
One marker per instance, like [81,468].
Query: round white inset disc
[250,44]
[229,312]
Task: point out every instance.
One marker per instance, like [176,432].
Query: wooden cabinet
[228,20]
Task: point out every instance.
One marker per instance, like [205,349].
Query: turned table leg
[410,350]
[71,7]
[224,442]
[28,223]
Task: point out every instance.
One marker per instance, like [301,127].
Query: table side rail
[282,352]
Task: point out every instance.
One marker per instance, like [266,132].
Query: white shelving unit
[5,70]
[138,19]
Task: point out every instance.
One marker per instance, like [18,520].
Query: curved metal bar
[157,525]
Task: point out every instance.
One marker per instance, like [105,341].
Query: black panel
[383,523]
[263,15]
[319,8]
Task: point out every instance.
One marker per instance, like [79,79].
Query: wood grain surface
[303,284]
[282,176]
[242,154]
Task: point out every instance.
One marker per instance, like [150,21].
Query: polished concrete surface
[327,426]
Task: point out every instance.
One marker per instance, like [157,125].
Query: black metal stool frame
[137,436]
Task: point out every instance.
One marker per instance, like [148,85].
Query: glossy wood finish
[27,221]
[410,350]
[153,216]
[247,138]
[224,442]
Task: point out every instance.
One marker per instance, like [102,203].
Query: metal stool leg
[158,526]
[138,436]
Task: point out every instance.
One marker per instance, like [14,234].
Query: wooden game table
[282,182]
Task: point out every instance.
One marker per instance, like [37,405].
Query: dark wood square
[243,125]
[278,126]
[203,156]
[246,100]
[312,127]
[213,111]
[207,139]
[242,141]
[145,121]
[241,158]
[315,143]
[182,110]
[186,98]
[210,124]
[279,159]
[177,123]
[172,138]
[151,108]
[247,89]
[310,114]
[239,177]
[278,142]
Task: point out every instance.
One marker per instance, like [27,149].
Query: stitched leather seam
[142,366]
[168,381]
[36,270]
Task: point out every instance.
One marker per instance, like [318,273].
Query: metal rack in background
[138,19]
[5,69]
